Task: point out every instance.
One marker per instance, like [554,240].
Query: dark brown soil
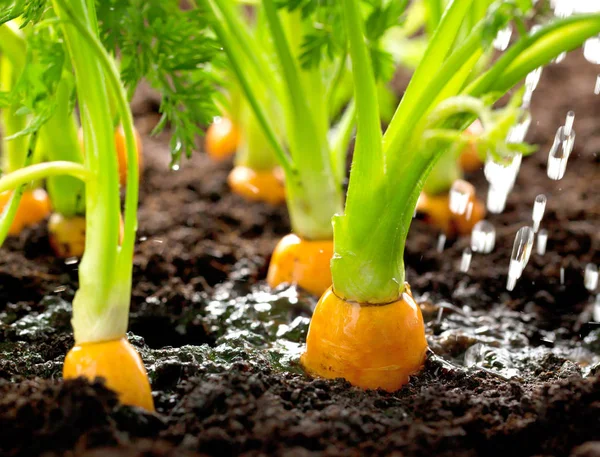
[221,349]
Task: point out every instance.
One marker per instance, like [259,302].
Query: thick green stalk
[312,196]
[100,308]
[254,150]
[421,86]
[60,142]
[12,62]
[357,231]
[10,210]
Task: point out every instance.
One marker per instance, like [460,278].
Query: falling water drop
[562,275]
[502,177]
[539,206]
[483,237]
[597,309]
[532,79]
[518,132]
[597,87]
[591,50]
[559,58]
[465,261]
[441,242]
[461,193]
[590,278]
[503,38]
[542,241]
[561,149]
[520,255]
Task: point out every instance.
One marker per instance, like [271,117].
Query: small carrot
[436,209]
[301,262]
[122,151]
[265,186]
[222,138]
[118,363]
[34,207]
[469,159]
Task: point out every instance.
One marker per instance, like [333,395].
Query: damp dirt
[508,373]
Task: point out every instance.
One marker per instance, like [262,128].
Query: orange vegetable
[370,345]
[122,151]
[469,159]
[222,138]
[436,209]
[301,262]
[33,208]
[67,235]
[118,363]
[264,186]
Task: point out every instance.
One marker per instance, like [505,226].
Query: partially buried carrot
[436,211]
[372,346]
[301,262]
[118,363]
[34,207]
[469,159]
[258,185]
[122,151]
[67,235]
[222,138]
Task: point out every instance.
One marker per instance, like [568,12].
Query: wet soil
[510,373]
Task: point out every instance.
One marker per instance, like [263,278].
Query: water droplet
[597,87]
[591,50]
[217,120]
[439,315]
[590,278]
[175,167]
[560,151]
[502,177]
[559,58]
[539,206]
[494,359]
[502,174]
[562,275]
[483,237]
[461,193]
[496,199]
[465,261]
[520,255]
[542,241]
[518,132]
[502,39]
[71,260]
[532,79]
[441,242]
[597,309]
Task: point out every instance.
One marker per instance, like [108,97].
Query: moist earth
[509,373]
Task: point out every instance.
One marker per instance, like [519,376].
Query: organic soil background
[221,350]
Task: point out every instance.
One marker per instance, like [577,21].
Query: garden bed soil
[221,348]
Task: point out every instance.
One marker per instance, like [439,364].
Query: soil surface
[509,373]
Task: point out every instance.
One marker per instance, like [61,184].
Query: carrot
[301,262]
[256,185]
[67,235]
[469,159]
[436,209]
[34,207]
[121,151]
[374,346]
[118,363]
[222,138]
